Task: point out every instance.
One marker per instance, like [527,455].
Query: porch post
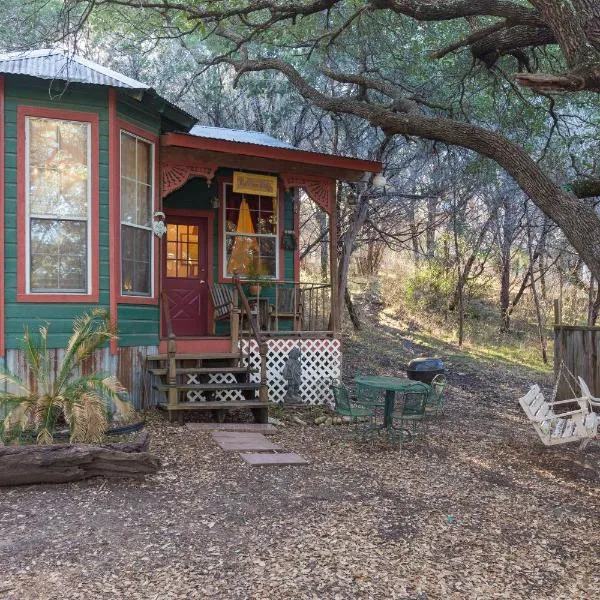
[333,260]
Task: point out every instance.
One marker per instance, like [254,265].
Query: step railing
[241,310]
[171,348]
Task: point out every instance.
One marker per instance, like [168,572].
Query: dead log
[61,463]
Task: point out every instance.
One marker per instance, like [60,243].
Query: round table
[391,385]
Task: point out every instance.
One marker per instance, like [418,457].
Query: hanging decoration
[158,223]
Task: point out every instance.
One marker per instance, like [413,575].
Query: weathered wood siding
[579,349]
[127,365]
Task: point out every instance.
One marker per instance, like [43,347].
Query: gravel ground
[479,510]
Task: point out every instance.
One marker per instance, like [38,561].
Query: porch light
[215,202]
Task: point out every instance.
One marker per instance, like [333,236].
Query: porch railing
[286,308]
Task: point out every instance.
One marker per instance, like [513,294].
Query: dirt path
[481,510]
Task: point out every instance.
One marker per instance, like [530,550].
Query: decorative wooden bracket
[175,176]
[320,189]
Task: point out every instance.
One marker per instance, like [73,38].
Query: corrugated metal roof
[57,64]
[239,135]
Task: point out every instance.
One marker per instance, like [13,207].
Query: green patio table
[391,385]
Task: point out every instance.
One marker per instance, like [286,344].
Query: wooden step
[214,404]
[206,387]
[200,356]
[201,370]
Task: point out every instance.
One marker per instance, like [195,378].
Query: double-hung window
[58,205]
[251,224]
[137,201]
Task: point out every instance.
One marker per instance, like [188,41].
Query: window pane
[58,255]
[72,200]
[58,171]
[72,141]
[144,205]
[136,263]
[43,141]
[144,168]
[128,160]
[44,185]
[128,201]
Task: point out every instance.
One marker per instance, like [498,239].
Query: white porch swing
[556,427]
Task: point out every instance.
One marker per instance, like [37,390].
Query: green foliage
[430,287]
[52,393]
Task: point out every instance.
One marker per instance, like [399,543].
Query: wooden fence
[577,347]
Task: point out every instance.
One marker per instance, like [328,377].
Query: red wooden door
[185,274]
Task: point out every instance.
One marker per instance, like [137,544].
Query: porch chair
[579,425]
[221,295]
[288,305]
[435,399]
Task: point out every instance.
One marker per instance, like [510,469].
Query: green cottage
[188,235]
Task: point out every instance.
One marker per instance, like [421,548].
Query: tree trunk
[466,270]
[536,300]
[61,463]
[324,243]
[352,310]
[356,224]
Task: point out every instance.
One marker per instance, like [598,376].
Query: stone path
[244,427]
[248,439]
[233,441]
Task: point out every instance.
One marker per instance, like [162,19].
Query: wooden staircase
[172,371]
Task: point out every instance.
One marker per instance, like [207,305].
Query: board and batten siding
[138,324]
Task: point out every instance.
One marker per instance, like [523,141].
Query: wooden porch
[287,310]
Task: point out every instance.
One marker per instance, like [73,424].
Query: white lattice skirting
[320,359]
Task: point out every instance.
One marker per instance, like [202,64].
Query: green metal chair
[409,411]
[435,400]
[344,406]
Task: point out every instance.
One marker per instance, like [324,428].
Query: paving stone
[253,442]
[250,427]
[281,458]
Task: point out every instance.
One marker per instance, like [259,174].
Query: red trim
[184,140]
[296,211]
[67,115]
[116,219]
[210,229]
[195,345]
[280,216]
[113,207]
[2,311]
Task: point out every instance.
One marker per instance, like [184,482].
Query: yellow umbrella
[244,252]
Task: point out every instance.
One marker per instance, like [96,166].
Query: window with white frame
[58,199]
[250,237]
[137,201]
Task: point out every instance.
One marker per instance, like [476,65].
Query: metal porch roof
[239,135]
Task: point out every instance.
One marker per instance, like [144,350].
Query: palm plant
[85,402]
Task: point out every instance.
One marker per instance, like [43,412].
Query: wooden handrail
[171,349]
[164,305]
[262,344]
[246,308]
